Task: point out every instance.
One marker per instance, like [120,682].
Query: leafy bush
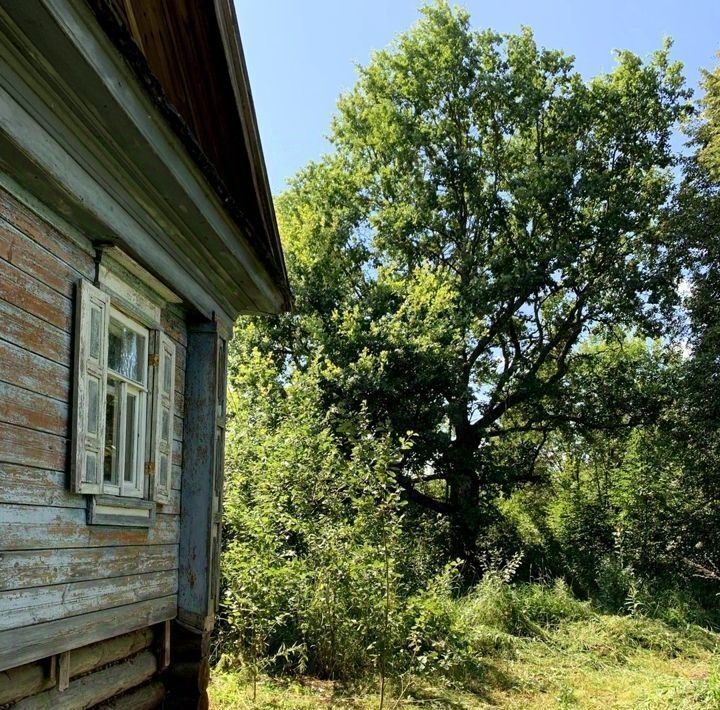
[318,576]
[522,610]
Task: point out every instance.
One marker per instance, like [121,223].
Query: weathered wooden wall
[64,583]
[36,683]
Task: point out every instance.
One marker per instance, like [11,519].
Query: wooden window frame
[145,488]
[134,488]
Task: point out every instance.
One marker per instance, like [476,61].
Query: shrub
[522,610]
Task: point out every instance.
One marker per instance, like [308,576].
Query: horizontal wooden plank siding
[35,486]
[29,408]
[33,678]
[172,507]
[37,449]
[64,583]
[174,325]
[176,477]
[28,256]
[33,372]
[31,527]
[18,646]
[32,295]
[24,607]
[32,568]
[177,428]
[45,234]
[95,687]
[32,334]
[146,697]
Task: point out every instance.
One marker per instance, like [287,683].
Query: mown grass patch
[576,658]
[614,662]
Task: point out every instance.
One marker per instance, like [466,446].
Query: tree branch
[426,501]
[570,330]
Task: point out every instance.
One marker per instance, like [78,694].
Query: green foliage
[713,689]
[479,432]
[695,223]
[484,210]
[312,530]
[518,646]
[622,521]
[708,133]
[522,610]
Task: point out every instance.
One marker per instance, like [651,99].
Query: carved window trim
[128,497]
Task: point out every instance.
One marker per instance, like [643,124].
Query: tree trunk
[466,516]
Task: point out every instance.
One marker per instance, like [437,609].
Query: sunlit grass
[603,662]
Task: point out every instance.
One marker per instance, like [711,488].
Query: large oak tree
[483,210]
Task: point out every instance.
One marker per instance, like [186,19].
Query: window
[125,406]
[123,402]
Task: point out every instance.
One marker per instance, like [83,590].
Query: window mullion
[127,380]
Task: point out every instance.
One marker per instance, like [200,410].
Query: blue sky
[301,54]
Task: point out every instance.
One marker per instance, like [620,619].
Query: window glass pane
[126,351]
[93,405]
[112,429]
[95,336]
[167,372]
[165,429]
[130,437]
[91,467]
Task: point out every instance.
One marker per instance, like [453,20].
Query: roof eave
[271,259]
[237,67]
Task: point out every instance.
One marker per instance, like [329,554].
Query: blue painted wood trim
[195,598]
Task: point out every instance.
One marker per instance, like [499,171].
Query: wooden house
[136,225]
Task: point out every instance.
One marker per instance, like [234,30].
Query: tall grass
[454,639]
[517,645]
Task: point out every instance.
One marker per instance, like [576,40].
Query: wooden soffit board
[189,56]
[80,133]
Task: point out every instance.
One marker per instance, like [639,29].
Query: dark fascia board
[79,133]
[232,44]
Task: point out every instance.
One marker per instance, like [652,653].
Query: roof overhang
[80,133]
[237,69]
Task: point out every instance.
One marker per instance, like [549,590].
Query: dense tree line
[503,357]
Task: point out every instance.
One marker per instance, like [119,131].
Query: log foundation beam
[187,677]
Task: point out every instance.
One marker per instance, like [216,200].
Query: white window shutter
[92,317]
[163,416]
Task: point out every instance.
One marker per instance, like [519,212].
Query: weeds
[518,646]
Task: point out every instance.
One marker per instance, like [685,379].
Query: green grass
[575,658]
